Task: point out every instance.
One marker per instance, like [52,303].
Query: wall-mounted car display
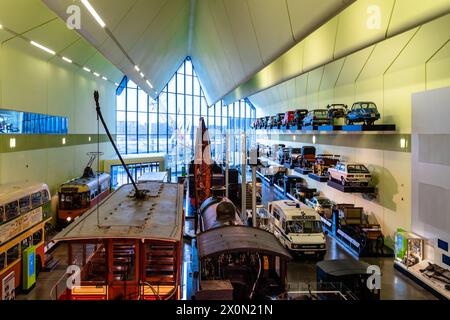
[316,118]
[366,112]
[321,204]
[288,119]
[351,177]
[305,160]
[299,115]
[322,164]
[336,111]
[350,174]
[278,120]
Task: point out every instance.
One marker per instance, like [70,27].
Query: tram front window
[74,201]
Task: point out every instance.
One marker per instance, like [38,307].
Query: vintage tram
[77,196]
[128,247]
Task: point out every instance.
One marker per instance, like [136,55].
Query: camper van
[298,227]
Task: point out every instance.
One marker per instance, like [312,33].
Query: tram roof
[239,238]
[89,181]
[159,216]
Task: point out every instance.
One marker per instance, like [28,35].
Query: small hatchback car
[350,174]
[366,112]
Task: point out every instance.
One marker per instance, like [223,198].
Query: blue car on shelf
[364,111]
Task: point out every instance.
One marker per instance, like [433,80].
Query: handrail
[55,287]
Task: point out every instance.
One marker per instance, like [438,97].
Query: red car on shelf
[289,117]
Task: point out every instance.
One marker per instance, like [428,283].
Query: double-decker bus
[24,211]
[79,195]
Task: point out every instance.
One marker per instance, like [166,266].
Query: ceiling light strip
[93,13]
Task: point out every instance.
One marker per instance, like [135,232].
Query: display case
[409,248]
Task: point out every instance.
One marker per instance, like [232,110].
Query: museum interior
[178,149]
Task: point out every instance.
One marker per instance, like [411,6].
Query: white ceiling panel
[272,27]
[308,15]
[244,35]
[23,15]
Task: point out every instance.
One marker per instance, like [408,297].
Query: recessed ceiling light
[67,60]
[1,27]
[93,13]
[148,82]
[137,68]
[96,74]
[12,141]
[63,140]
[86,69]
[142,75]
[40,46]
[104,78]
[116,84]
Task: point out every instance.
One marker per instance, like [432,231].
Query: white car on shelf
[350,174]
[322,205]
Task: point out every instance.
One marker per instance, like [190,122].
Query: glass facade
[169,123]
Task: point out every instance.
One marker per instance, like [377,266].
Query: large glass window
[168,124]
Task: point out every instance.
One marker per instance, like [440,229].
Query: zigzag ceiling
[228,40]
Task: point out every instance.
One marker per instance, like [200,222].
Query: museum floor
[394,286]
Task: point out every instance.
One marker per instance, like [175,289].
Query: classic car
[278,120]
[350,174]
[264,122]
[288,119]
[321,204]
[336,111]
[324,162]
[299,115]
[366,112]
[316,118]
[305,158]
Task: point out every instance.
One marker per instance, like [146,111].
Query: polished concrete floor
[394,286]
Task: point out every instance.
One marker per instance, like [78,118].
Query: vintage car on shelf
[289,117]
[299,115]
[336,111]
[316,118]
[283,155]
[278,120]
[366,112]
[255,124]
[264,122]
[350,174]
[305,158]
[322,205]
[324,162]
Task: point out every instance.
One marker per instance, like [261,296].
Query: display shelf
[318,178]
[333,129]
[429,284]
[303,171]
[374,127]
[330,128]
[350,189]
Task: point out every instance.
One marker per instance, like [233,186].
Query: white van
[298,227]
